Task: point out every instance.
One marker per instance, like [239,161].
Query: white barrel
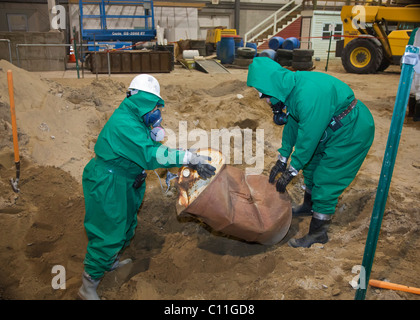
[190,54]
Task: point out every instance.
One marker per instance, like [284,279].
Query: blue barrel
[239,42]
[275,43]
[227,49]
[291,43]
[270,53]
[252,45]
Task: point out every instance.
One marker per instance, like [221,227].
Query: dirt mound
[52,129]
[42,226]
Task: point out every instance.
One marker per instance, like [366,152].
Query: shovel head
[14,184]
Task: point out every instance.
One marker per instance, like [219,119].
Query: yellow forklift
[375,36]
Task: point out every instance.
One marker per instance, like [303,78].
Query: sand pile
[57,127]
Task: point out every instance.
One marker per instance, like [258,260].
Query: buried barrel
[247,207]
[226,52]
[275,43]
[291,43]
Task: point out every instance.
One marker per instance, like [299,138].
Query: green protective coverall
[123,149]
[329,160]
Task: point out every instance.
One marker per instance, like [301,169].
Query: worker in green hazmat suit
[114,180]
[327,134]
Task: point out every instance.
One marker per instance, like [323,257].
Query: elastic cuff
[187,157]
[321,216]
[293,171]
[282,159]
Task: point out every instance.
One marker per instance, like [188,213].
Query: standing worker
[114,180]
[331,133]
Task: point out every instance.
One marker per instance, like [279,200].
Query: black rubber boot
[305,209]
[317,232]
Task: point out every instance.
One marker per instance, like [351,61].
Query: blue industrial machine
[111,28]
[142,28]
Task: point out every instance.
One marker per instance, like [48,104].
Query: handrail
[271,17]
[10,50]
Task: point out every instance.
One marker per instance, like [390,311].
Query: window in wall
[17,22]
[337,31]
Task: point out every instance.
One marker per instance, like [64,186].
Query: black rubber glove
[279,167]
[199,164]
[138,182]
[285,178]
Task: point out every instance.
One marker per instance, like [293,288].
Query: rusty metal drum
[244,206]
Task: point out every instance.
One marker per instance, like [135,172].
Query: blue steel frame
[105,34]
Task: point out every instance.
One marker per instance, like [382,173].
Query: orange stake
[14,129]
[393,286]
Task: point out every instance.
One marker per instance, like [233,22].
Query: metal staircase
[273,24]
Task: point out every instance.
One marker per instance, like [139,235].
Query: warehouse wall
[190,21]
[183,22]
[36,15]
[35,58]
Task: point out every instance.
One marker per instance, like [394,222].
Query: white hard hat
[147,83]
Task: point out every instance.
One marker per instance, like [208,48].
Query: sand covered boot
[305,209]
[88,289]
[317,231]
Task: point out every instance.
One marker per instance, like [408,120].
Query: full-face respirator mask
[153,119]
[279,116]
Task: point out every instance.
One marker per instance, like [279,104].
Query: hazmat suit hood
[278,82]
[125,140]
[311,98]
[142,103]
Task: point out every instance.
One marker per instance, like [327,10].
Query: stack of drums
[291,43]
[275,43]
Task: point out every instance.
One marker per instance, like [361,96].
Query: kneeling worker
[114,181]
